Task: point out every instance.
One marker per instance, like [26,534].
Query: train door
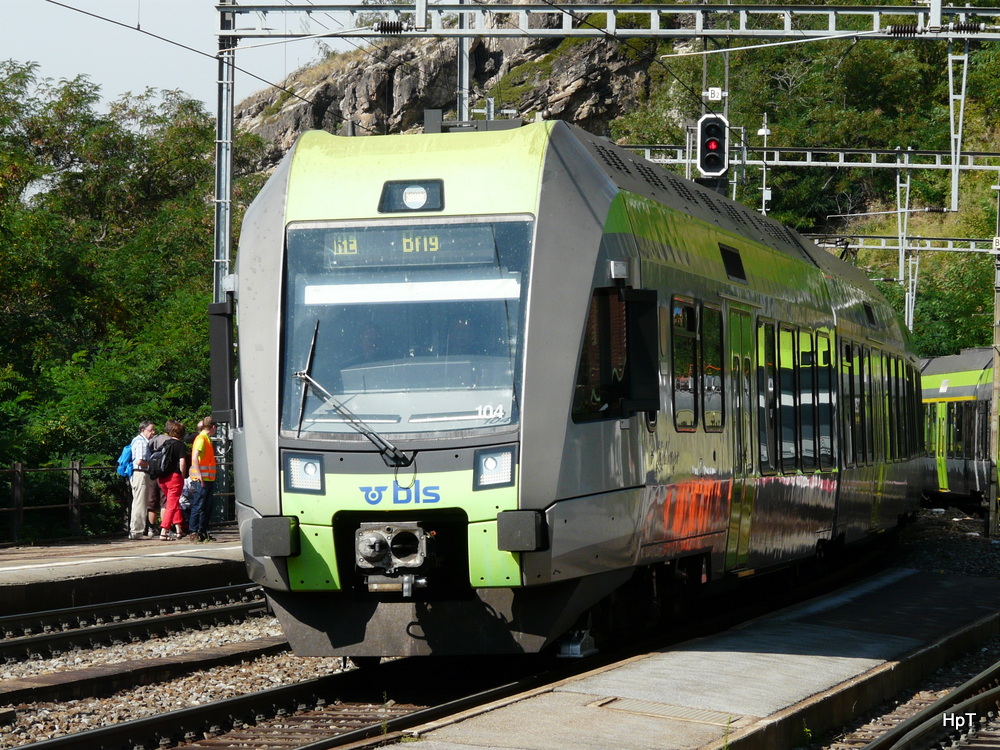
[742,346]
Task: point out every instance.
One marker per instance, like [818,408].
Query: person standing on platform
[140,481]
[154,507]
[202,477]
[172,483]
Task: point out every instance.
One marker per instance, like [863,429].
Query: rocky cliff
[385,87]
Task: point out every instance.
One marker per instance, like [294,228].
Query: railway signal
[713,145]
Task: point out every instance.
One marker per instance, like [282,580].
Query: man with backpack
[156,501]
[140,480]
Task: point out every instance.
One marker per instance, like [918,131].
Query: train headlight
[304,473]
[494,468]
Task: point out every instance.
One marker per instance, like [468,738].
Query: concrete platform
[764,685]
[40,578]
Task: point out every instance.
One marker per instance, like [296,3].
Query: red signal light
[712,147]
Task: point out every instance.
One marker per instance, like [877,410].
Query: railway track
[351,707]
[966,717]
[50,634]
[316,715]
[41,634]
[347,708]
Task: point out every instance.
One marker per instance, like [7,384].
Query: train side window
[944,436]
[807,399]
[767,396]
[885,405]
[892,407]
[954,431]
[983,445]
[824,401]
[600,381]
[902,395]
[733,263]
[618,374]
[909,438]
[868,449]
[930,425]
[889,398]
[788,405]
[962,448]
[685,364]
[973,441]
[970,430]
[849,404]
[712,386]
[876,412]
[664,325]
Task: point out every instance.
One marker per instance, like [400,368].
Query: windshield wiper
[305,388]
[392,455]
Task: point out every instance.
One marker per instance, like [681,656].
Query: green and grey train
[493,385]
[957,393]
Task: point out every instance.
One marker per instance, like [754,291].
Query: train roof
[321,164]
[854,296]
[968,360]
[631,172]
[958,377]
[520,151]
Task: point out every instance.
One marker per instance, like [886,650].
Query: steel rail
[928,722]
[29,623]
[34,646]
[185,725]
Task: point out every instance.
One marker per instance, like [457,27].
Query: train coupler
[402,584]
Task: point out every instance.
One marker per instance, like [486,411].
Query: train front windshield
[405,326]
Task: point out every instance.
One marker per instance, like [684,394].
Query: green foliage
[955,306]
[866,94]
[106,257]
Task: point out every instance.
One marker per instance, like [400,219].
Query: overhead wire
[372,50]
[584,22]
[136,28]
[390,53]
[171,41]
[658,59]
[652,58]
[846,35]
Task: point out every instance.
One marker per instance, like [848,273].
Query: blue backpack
[125,462]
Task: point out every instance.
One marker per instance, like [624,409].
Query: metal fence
[58,504]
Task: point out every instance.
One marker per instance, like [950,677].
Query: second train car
[488,381]
[957,393]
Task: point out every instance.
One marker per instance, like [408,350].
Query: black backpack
[158,462]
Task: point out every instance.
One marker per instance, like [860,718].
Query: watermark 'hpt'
[959,721]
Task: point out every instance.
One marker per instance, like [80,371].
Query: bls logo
[402,495]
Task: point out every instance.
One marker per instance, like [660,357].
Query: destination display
[440,244]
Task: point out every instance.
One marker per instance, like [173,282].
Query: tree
[106,258]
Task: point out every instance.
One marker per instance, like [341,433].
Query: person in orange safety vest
[202,476]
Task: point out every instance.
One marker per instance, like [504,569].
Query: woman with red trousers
[172,484]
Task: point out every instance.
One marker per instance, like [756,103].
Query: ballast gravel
[942,540]
[33,722]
